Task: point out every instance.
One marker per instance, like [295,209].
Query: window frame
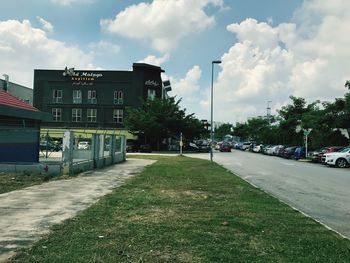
[76,117]
[55,116]
[151,94]
[92,96]
[118,97]
[77,99]
[117,117]
[57,96]
[91,117]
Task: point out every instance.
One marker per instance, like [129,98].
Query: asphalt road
[319,191]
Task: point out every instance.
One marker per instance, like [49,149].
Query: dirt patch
[192,194]
[153,215]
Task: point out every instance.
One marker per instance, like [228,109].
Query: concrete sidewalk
[27,214]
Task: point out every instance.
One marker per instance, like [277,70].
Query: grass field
[188,210]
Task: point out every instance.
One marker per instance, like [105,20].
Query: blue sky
[269,49]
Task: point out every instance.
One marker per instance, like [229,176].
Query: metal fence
[71,152]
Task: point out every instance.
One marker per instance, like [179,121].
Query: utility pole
[268,110]
[181,144]
[211,108]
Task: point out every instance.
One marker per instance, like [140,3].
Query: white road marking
[289,164]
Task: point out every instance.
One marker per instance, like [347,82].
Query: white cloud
[187,89]
[163,23]
[103,47]
[187,86]
[46,25]
[309,57]
[24,48]
[153,60]
[71,2]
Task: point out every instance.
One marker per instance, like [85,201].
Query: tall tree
[159,119]
[291,117]
[222,130]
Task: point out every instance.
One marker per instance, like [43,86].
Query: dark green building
[94,99]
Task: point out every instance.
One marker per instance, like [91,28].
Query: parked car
[269,150]
[218,145]
[275,149]
[281,150]
[131,146]
[315,155]
[245,146]
[145,148]
[321,155]
[339,159]
[258,148]
[225,147]
[50,146]
[289,152]
[200,146]
[83,145]
[238,146]
[264,148]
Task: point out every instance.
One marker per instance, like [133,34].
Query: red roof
[6,99]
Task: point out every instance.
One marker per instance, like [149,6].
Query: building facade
[20,92]
[94,99]
[19,130]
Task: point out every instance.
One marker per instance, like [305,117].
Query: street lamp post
[211,108]
[268,111]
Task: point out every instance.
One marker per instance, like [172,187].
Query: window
[151,94]
[76,115]
[56,114]
[92,98]
[118,116]
[76,96]
[91,115]
[57,96]
[118,97]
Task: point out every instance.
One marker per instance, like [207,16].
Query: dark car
[281,150]
[145,148]
[202,146]
[288,152]
[225,147]
[131,146]
[50,146]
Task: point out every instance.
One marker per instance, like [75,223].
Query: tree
[222,130]
[290,117]
[159,119]
[347,84]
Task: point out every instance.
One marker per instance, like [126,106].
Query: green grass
[188,210]
[16,181]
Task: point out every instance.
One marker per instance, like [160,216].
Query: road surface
[317,190]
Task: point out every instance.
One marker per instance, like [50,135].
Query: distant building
[19,130]
[20,92]
[95,99]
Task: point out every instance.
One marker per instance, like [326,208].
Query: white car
[257,148]
[269,150]
[83,146]
[339,159]
[245,145]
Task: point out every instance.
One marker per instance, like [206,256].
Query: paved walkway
[27,214]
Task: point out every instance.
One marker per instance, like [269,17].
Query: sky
[269,50]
